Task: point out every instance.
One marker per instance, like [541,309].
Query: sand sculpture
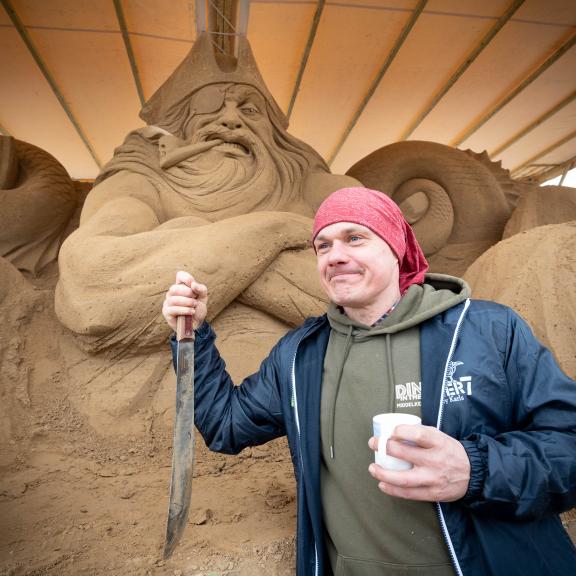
[38,199]
[213,184]
[534,272]
[216,185]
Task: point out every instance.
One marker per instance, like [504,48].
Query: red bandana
[381,214]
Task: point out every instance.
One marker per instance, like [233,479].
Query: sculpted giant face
[248,167]
[235,117]
[231,153]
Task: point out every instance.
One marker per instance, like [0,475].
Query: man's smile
[338,275]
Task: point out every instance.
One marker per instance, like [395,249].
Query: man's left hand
[441,469]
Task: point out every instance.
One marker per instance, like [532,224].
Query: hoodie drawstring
[390,369]
[347,347]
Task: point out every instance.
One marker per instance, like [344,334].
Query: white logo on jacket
[456,389]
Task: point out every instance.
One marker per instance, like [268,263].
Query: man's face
[358,270]
[240,121]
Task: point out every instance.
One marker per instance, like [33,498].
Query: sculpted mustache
[238,136]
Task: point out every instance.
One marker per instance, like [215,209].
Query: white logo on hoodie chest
[408,395]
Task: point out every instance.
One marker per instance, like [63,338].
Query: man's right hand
[185,298]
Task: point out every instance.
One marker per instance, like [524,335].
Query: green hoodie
[370,370]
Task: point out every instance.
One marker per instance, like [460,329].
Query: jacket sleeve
[231,417]
[529,470]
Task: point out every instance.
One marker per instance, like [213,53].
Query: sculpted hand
[441,469]
[185,298]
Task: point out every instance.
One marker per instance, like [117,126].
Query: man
[494,462]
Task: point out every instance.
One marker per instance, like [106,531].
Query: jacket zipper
[295,405]
[443,526]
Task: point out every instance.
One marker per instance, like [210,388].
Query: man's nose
[337,253]
[230,119]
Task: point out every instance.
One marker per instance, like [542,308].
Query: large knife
[183,444]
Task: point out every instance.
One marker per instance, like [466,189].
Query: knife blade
[183,443]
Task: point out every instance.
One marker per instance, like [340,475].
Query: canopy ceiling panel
[560,12]
[353,75]
[30,111]
[347,54]
[556,129]
[432,52]
[93,74]
[160,39]
[505,62]
[552,158]
[545,95]
[278,35]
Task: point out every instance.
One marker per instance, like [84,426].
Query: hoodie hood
[438,293]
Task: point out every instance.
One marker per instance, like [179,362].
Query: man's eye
[322,246]
[354,238]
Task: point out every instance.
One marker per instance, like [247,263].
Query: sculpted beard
[261,174]
[240,175]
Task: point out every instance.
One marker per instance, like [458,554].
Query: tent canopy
[352,75]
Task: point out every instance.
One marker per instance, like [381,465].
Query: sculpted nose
[230,119]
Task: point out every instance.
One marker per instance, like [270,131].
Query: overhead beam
[540,120]
[200,15]
[555,170]
[567,168]
[376,82]
[243,17]
[222,24]
[544,152]
[129,51]
[48,76]
[224,21]
[557,54]
[305,56]
[470,59]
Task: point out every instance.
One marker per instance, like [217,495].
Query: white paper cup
[384,425]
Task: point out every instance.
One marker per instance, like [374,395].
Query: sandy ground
[76,499]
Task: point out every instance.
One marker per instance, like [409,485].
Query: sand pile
[533,272]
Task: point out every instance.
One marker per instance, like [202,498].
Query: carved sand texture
[38,200]
[217,187]
[539,206]
[533,272]
[462,209]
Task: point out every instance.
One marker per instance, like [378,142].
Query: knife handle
[184,327]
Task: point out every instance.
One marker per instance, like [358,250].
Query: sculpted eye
[249,109]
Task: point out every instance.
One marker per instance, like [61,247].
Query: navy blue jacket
[486,381]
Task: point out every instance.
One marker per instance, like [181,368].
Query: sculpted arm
[115,267]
